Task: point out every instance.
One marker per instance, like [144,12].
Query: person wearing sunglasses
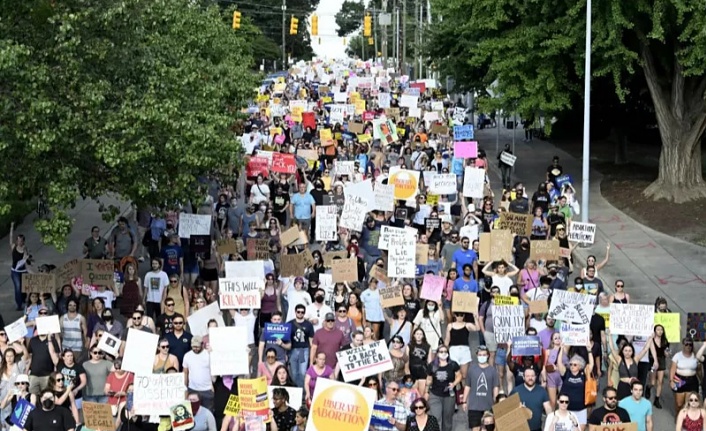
[692,416]
[609,413]
[562,419]
[421,420]
[21,391]
[179,339]
[574,383]
[398,420]
[163,360]
[682,374]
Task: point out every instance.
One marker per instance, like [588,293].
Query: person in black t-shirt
[49,417]
[554,170]
[609,413]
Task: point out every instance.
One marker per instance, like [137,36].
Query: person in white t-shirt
[316,311]
[154,284]
[197,372]
[502,275]
[295,294]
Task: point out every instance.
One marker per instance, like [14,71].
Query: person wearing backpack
[123,241]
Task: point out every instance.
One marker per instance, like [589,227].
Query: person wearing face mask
[521,251]
[481,387]
[488,422]
[49,417]
[203,418]
[315,312]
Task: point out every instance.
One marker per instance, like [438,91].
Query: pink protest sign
[466,150]
[432,287]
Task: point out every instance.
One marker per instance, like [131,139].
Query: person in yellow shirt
[578,286]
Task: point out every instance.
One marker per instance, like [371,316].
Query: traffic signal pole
[284,37]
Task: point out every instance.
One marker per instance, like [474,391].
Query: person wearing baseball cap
[327,340]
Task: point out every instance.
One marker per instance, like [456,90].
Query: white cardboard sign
[367,360]
[194,224]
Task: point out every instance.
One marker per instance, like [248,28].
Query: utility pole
[376,22]
[284,37]
[404,38]
[384,36]
[417,38]
[397,37]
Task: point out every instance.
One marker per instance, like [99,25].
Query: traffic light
[236,20]
[314,25]
[371,41]
[367,26]
[293,25]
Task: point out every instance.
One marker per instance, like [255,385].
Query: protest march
[365,272]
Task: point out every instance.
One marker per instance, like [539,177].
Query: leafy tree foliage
[350,18]
[536,53]
[133,97]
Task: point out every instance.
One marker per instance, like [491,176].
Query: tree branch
[659,97]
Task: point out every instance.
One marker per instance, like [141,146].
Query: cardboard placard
[379,273]
[464,302]
[538,307]
[194,224]
[38,283]
[330,255]
[98,272]
[439,129]
[632,319]
[509,415]
[391,296]
[258,249]
[630,426]
[238,293]
[98,416]
[509,322]
[356,128]
[544,250]
[671,324]
[519,224]
[226,246]
[495,246]
[345,270]
[582,232]
[289,236]
[67,272]
[421,254]
[292,265]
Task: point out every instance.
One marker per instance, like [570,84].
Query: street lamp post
[586,118]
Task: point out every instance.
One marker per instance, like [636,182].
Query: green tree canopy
[134,97]
[536,53]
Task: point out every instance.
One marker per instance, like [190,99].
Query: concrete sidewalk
[85,215]
[651,263]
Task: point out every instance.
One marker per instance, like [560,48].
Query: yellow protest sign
[354,96]
[253,398]
[406,183]
[364,138]
[325,134]
[671,324]
[279,88]
[506,300]
[432,200]
[327,99]
[233,406]
[359,107]
[340,406]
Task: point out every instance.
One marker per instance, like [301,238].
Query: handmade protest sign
[38,283]
[544,249]
[16,330]
[408,101]
[250,268]
[464,302]
[292,265]
[508,322]
[227,246]
[326,229]
[439,129]
[432,287]
[582,232]
[503,300]
[630,426]
[354,210]
[507,158]
[526,345]
[381,415]
[240,293]
[98,416]
[563,302]
[671,324]
[200,243]
[345,167]
[356,128]
[466,150]
[696,326]
[519,224]
[66,272]
[154,394]
[388,232]
[110,344]
[194,224]
[379,273]
[229,350]
[232,406]
[289,236]
[463,133]
[443,184]
[495,246]
[198,320]
[367,360]
[421,254]
[473,182]
[48,325]
[344,270]
[573,334]
[181,416]
[284,163]
[340,406]
[391,296]
[384,197]
[330,256]
[98,272]
[137,343]
[539,306]
[253,398]
[401,257]
[632,319]
[258,249]
[257,166]
[510,415]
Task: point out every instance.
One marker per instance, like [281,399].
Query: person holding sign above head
[574,383]
[502,274]
[627,364]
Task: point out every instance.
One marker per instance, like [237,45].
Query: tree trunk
[681,118]
[680,176]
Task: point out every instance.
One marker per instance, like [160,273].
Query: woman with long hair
[369,335]
[147,321]
[430,319]
[20,261]
[372,382]
[447,293]
[64,394]
[317,370]
[341,292]
[269,366]
[550,371]
[356,310]
[627,364]
[18,390]
[132,290]
[691,418]
[163,360]
[35,306]
[95,313]
[659,362]
[456,338]
[116,385]
[399,325]
[281,377]
[420,355]
[127,420]
[400,360]
[411,303]
[444,377]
